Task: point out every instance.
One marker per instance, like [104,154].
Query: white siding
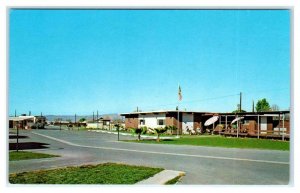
[263,125]
[93,125]
[97,126]
[187,122]
[151,120]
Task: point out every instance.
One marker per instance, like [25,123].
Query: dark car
[38,126]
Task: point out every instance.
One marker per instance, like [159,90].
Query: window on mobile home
[142,122]
[160,122]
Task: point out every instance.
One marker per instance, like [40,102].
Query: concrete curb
[128,134]
[161,178]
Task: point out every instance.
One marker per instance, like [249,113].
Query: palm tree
[160,131]
[139,131]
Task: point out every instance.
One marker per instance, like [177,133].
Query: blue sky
[80,61]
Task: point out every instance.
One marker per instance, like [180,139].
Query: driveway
[202,165]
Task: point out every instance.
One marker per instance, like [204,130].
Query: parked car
[38,126]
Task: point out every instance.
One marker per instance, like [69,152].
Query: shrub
[137,131]
[171,128]
[144,130]
[150,130]
[160,131]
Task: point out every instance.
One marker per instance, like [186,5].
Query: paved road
[202,165]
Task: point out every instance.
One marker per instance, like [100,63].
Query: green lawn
[23,155]
[108,173]
[219,141]
[173,181]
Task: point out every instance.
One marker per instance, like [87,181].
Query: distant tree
[275,107]
[262,105]
[57,120]
[69,120]
[238,110]
[82,120]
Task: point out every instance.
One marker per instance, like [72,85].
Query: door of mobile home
[263,125]
[187,122]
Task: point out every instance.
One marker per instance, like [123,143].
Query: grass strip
[173,181]
[108,173]
[219,141]
[25,155]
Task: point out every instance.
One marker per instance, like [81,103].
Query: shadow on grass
[161,140]
[167,140]
[15,136]
[28,145]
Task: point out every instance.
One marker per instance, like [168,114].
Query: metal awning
[211,120]
[18,118]
[237,119]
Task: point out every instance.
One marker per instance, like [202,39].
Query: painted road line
[161,153]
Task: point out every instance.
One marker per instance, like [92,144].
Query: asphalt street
[202,165]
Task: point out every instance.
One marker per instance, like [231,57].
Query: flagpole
[178,114]
[178,120]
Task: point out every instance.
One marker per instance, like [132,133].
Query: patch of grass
[24,155]
[108,173]
[173,181]
[219,141]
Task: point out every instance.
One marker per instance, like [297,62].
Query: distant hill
[87,117]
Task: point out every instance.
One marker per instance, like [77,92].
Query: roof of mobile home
[207,113]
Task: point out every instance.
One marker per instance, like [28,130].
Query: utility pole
[29,113]
[93,117]
[137,109]
[15,112]
[97,119]
[253,106]
[240,102]
[178,120]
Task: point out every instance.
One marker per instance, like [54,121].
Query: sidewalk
[161,178]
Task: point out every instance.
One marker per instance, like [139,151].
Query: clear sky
[80,61]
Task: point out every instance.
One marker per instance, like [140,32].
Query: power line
[214,98]
[265,90]
[194,101]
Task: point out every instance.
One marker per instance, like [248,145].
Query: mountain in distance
[112,117]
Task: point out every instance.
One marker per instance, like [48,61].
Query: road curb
[161,178]
[128,134]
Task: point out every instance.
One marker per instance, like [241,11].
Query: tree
[82,119]
[57,119]
[238,110]
[262,105]
[275,107]
[160,131]
[139,131]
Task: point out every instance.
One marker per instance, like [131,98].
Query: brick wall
[131,121]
